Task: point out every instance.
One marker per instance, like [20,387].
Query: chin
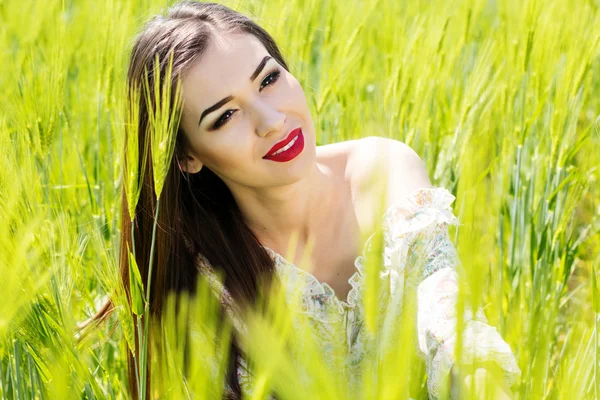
[300,167]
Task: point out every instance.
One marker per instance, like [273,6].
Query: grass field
[501,99]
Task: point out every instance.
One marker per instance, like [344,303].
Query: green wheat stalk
[163,121]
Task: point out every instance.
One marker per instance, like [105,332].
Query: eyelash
[222,121]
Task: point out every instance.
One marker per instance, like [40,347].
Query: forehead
[226,64]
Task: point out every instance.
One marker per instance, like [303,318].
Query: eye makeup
[269,80]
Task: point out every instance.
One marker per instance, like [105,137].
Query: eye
[223,119]
[270,79]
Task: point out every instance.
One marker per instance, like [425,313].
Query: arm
[437,295]
[434,274]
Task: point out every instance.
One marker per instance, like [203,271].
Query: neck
[297,213]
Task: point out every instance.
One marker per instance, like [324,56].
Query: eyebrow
[227,99]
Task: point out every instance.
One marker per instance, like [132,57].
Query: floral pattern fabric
[420,263]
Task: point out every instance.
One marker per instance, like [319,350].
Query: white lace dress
[419,257]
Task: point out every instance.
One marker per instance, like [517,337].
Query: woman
[247,176]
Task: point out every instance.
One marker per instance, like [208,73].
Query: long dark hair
[198,214]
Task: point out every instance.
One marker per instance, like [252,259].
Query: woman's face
[231,121]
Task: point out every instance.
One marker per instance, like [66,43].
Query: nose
[268,119]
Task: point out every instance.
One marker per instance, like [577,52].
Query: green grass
[500,99]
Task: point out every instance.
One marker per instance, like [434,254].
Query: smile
[287,149]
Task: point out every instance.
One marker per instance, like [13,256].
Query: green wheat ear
[164,115]
[133,176]
[136,286]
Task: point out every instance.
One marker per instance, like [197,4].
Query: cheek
[234,150]
[293,94]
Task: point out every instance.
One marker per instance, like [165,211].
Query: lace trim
[422,207]
[317,297]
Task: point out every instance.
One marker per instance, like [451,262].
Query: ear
[190,164]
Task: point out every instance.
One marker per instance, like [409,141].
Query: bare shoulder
[336,155]
[376,169]
[379,165]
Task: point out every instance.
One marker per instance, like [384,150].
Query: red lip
[283,143]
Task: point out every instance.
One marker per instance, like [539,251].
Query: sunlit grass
[500,99]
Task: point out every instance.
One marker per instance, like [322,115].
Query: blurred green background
[500,98]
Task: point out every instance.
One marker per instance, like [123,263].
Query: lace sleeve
[436,319]
[432,260]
